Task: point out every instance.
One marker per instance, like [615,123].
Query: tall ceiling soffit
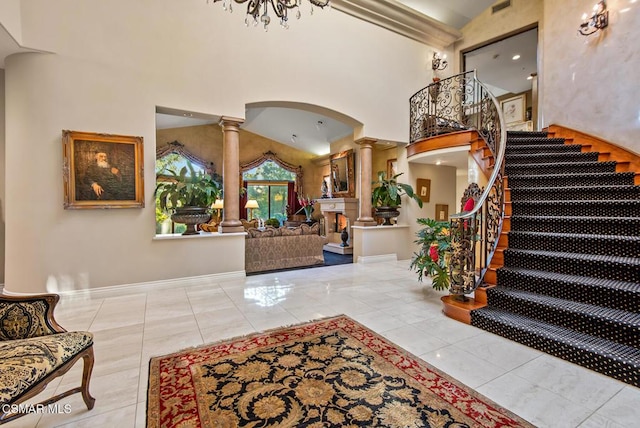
[400,19]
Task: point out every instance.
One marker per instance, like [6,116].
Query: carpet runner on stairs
[570,284]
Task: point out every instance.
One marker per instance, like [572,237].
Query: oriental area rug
[328,373]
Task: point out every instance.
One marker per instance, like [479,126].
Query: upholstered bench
[34,349]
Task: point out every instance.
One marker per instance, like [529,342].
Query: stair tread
[542,146]
[613,350]
[571,218]
[560,155]
[634,261]
[579,201]
[560,164]
[587,280]
[575,174]
[576,188]
[595,311]
[561,235]
[517,139]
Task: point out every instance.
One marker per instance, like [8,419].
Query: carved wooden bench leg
[86,377]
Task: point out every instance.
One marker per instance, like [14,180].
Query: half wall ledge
[385,241]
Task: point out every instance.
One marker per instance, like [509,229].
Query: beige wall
[591,83]
[3,179]
[113,63]
[380,157]
[10,18]
[443,191]
[204,141]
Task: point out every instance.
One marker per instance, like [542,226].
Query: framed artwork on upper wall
[102,171]
[442,212]
[423,189]
[513,109]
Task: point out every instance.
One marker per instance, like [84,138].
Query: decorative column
[231,174]
[366,146]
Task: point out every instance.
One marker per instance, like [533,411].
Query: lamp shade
[252,203]
[218,204]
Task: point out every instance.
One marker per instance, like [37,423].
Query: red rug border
[509,419]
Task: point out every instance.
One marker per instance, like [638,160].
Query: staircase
[570,283]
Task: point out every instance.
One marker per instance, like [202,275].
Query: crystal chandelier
[259,9]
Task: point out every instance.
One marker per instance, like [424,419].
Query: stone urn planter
[191,216]
[387,213]
[386,196]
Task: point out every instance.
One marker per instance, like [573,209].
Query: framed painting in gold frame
[102,171]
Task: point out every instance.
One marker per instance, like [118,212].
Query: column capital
[230,121]
[366,141]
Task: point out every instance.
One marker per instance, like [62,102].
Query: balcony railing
[457,103]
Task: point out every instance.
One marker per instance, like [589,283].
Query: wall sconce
[251,205]
[597,21]
[438,62]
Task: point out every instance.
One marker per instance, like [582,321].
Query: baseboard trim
[142,286]
[378,259]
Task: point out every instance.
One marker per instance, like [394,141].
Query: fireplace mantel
[329,207]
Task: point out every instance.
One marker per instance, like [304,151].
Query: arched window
[174,156]
[274,183]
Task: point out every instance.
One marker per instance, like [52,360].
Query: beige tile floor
[130,327]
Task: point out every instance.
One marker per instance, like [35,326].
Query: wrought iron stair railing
[457,103]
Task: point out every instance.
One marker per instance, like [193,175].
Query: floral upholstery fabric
[280,252]
[249,224]
[25,362]
[20,320]
[291,232]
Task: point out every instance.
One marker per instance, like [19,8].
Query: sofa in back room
[282,248]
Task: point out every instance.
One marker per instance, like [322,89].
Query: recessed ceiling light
[516,57]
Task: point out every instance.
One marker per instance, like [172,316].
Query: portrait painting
[513,109]
[102,171]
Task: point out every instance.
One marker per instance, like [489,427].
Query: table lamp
[251,205]
[218,205]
